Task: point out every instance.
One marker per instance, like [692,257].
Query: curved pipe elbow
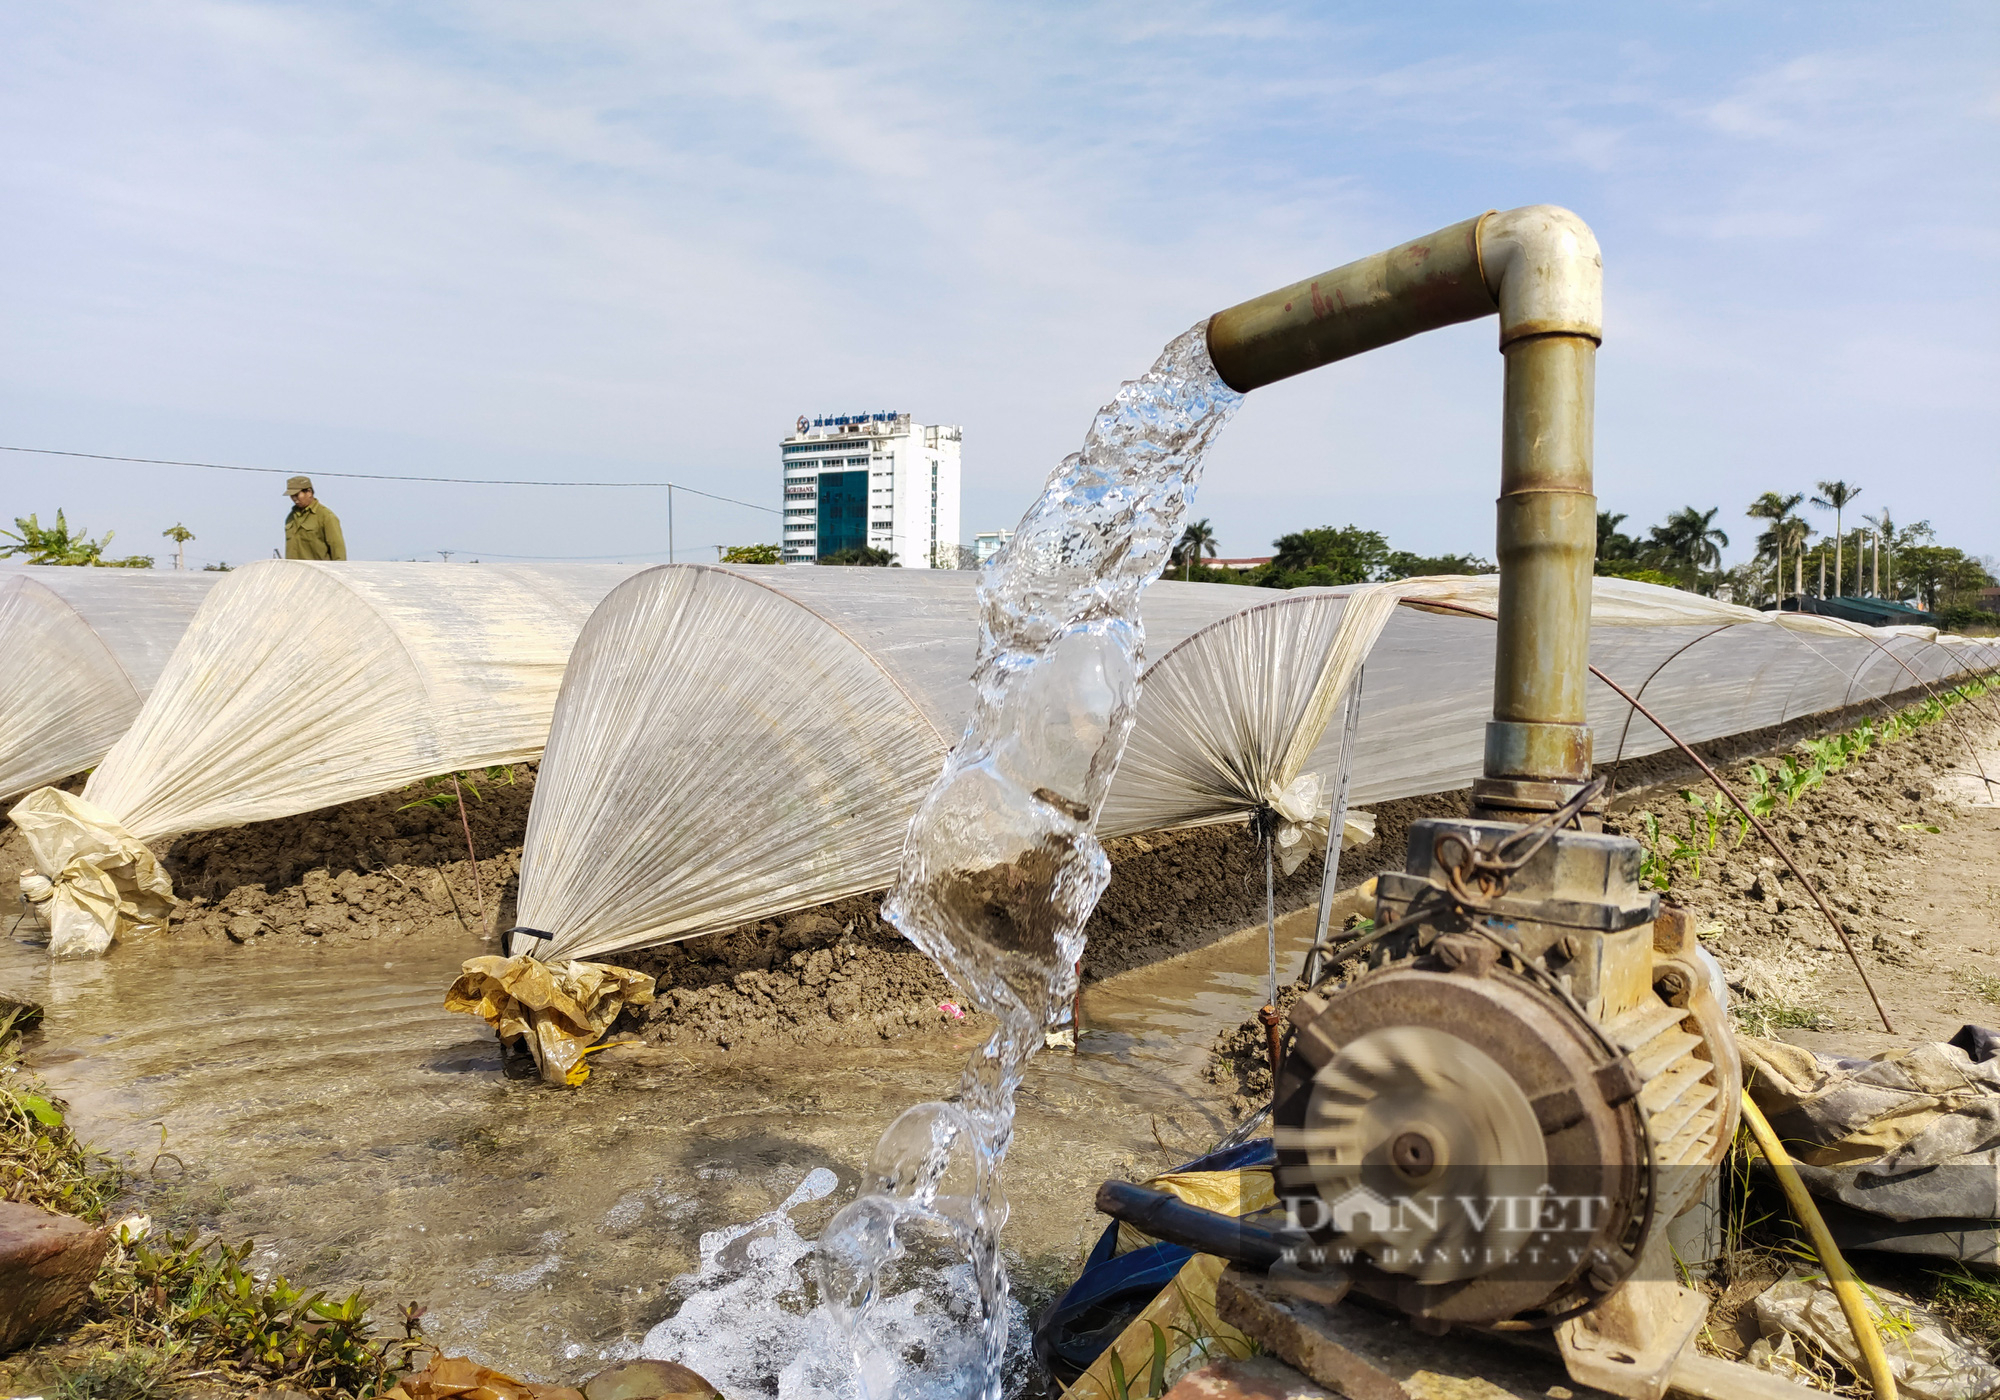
[1545,272]
[1538,267]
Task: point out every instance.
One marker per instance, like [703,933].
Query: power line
[385,476]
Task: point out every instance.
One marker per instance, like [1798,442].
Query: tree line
[1875,558]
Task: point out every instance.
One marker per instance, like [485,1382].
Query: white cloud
[638,240]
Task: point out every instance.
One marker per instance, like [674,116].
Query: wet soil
[838,974]
[383,869]
[328,1107]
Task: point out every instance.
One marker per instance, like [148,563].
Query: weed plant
[41,1161]
[1668,854]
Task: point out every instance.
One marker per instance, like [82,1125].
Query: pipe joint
[1543,267]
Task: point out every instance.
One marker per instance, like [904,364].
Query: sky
[629,242]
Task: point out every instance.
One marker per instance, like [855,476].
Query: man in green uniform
[311,530]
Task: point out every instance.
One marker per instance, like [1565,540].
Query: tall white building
[874,479]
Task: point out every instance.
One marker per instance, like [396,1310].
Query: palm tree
[1690,541]
[1793,533]
[1196,540]
[1885,538]
[1773,507]
[180,535]
[1835,496]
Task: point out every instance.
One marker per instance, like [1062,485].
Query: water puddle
[325,1105]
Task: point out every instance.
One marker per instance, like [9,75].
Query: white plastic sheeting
[302,684]
[735,743]
[83,648]
[1226,702]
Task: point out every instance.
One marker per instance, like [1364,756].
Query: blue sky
[634,242]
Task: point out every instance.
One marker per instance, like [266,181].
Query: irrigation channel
[320,1101]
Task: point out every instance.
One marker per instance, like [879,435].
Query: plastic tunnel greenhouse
[299,685]
[736,743]
[303,684]
[84,647]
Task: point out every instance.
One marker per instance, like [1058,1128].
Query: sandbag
[559,1008]
[102,885]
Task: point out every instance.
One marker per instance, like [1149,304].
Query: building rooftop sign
[848,419]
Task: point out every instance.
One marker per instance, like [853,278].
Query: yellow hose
[1846,1288]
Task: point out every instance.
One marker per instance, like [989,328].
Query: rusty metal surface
[1419,286]
[1584,1135]
[1539,269]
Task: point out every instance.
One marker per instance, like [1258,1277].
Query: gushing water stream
[1001,868]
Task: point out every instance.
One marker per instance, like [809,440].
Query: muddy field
[392,867]
[1908,868]
[396,866]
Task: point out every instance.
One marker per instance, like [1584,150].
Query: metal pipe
[1539,270]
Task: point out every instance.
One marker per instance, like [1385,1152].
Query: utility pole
[445,554]
[670,522]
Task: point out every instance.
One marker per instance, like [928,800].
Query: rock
[243,927]
[645,1380]
[1895,948]
[47,1263]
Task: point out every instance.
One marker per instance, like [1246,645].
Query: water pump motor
[1528,1076]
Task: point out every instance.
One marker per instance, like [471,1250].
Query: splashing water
[1001,869]
[747,1325]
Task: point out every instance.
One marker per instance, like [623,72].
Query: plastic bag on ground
[103,885]
[1912,1137]
[1931,1361]
[451,1377]
[560,1008]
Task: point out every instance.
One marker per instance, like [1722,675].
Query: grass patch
[41,1161]
[173,1305]
[1983,985]
[1970,1303]
[1763,1016]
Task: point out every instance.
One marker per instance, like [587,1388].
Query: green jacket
[313,532]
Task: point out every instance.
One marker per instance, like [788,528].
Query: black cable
[386,476]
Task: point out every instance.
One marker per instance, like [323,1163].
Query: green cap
[298,484]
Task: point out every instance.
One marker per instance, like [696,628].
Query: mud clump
[393,866]
[839,973]
[402,829]
[381,867]
[832,974]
